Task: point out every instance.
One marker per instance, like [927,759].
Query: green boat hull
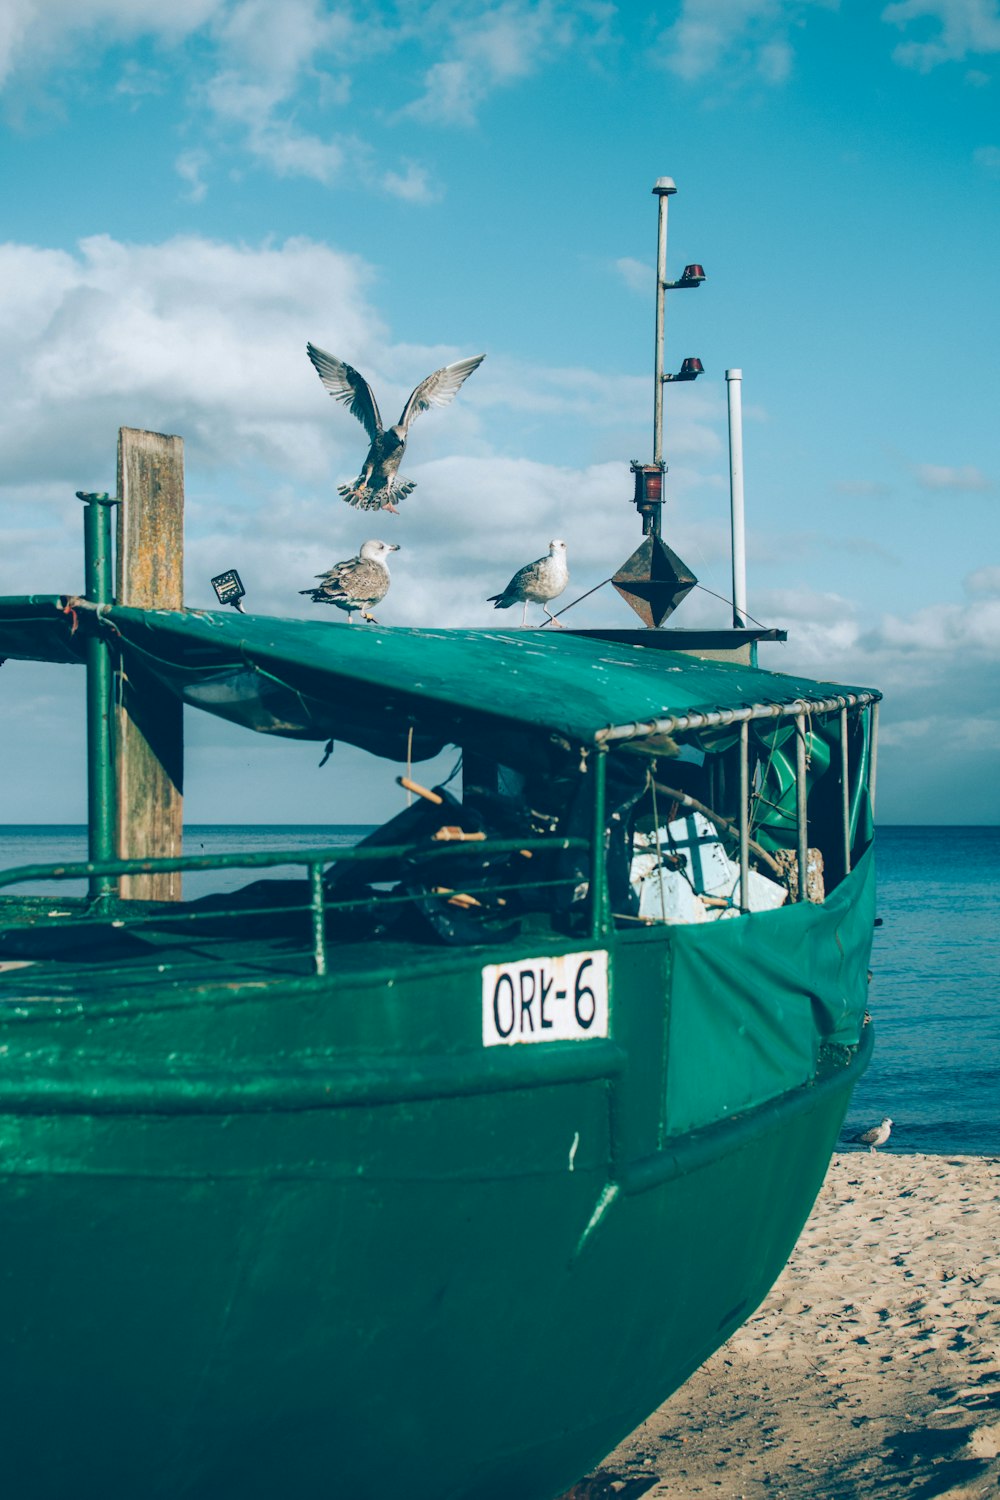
[312,1238]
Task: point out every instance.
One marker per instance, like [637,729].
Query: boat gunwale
[366,1083]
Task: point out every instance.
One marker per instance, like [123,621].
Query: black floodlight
[692,275]
[229,589]
[689,370]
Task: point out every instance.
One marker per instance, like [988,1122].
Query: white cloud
[207,340]
[189,167]
[35,34]
[276,143]
[279,41]
[137,81]
[191,336]
[942,629]
[903,654]
[412,184]
[945,477]
[939,669]
[636,274]
[265,75]
[983,581]
[873,488]
[987,157]
[964,27]
[496,46]
[752,36]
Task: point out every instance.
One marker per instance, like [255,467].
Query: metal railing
[312,860]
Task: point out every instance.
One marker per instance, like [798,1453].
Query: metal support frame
[723,717]
[598,863]
[845,791]
[801,816]
[744,816]
[873,757]
[101,816]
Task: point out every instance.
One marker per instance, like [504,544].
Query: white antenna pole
[734,387]
[665,187]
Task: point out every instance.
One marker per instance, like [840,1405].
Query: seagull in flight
[536,583]
[877,1136]
[379,485]
[357,583]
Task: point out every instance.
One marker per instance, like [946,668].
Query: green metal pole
[598,862]
[100,697]
[744,816]
[873,756]
[801,812]
[845,791]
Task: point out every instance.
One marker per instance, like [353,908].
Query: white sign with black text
[546,999]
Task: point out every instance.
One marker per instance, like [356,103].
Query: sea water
[935,991]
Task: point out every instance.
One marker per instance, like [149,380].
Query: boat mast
[654,580]
[664,188]
[648,496]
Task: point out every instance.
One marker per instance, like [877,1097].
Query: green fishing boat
[435,1166]
[441,1167]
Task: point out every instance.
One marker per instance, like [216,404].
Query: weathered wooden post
[150,758]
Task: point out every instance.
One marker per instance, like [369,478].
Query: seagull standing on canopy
[536,583]
[357,583]
[379,485]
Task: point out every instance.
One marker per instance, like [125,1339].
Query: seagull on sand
[357,583]
[536,583]
[378,485]
[877,1136]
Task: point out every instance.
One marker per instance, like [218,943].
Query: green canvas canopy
[378,687]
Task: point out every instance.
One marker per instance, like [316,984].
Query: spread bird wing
[438,389]
[346,385]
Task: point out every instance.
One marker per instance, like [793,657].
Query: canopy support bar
[676,723]
[845,791]
[100,698]
[801,815]
[598,863]
[744,816]
[873,758]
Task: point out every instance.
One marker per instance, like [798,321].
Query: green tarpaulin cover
[369,685]
[781,982]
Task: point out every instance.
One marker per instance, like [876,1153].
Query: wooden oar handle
[421,791]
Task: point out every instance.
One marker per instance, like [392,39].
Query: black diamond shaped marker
[654,581]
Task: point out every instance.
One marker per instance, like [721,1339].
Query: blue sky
[191,195]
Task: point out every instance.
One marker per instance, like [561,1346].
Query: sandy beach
[873,1368]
